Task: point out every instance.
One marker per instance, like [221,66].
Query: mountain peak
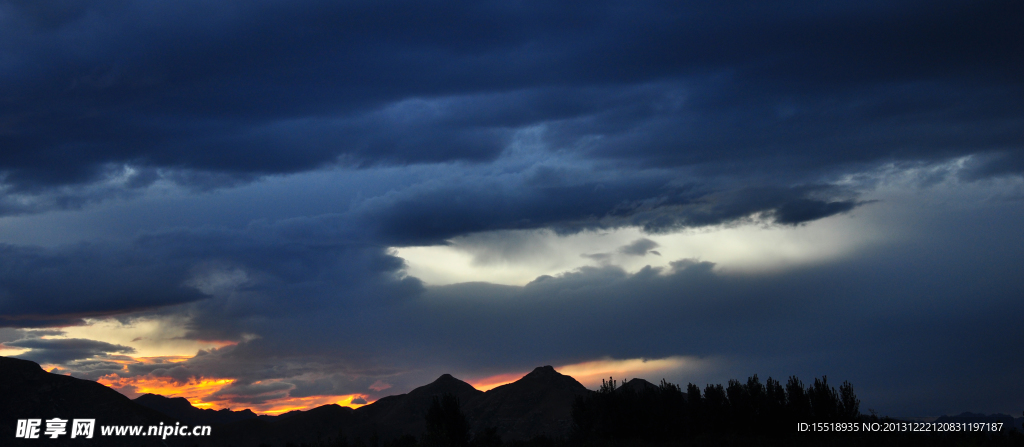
[543,370]
[445,384]
[538,403]
[636,385]
[448,383]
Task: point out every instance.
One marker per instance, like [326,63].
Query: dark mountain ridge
[182,410]
[540,403]
[29,392]
[312,426]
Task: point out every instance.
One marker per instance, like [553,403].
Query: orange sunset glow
[204,393]
[199,394]
[489,383]
[194,391]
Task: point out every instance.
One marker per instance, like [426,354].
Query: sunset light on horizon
[199,392]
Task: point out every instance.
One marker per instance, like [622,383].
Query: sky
[277,205]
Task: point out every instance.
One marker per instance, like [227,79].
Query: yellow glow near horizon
[591,373]
[149,337]
[199,393]
[492,382]
[518,257]
[194,391]
[11,352]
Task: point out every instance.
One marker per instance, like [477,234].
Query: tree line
[667,412]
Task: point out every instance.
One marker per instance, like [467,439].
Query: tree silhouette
[824,400]
[851,405]
[799,404]
[716,408]
[607,387]
[741,410]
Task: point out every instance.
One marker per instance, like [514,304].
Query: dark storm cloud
[569,200]
[55,286]
[66,350]
[303,256]
[805,210]
[60,286]
[248,89]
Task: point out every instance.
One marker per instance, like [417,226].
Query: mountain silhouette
[182,410]
[29,392]
[540,403]
[403,413]
[319,424]
[636,386]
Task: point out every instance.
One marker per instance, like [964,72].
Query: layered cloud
[87,280]
[66,350]
[249,90]
[262,176]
